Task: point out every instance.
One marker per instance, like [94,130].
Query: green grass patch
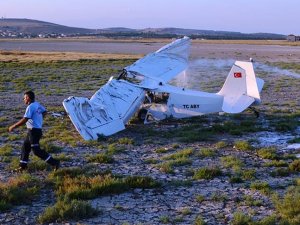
[231,162]
[221,144]
[100,158]
[6,150]
[261,186]
[67,210]
[180,154]
[207,173]
[295,165]
[18,190]
[276,163]
[206,152]
[243,145]
[289,206]
[268,153]
[240,218]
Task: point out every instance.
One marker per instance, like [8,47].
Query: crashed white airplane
[143,88]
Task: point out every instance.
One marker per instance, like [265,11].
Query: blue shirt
[34,114]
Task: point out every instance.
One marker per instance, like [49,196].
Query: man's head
[28,97]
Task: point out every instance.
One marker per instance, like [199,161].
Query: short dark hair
[30,94]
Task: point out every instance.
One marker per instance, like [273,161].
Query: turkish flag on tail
[237,75]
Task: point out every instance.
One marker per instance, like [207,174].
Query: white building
[292,37]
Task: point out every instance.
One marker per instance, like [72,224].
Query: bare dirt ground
[181,198]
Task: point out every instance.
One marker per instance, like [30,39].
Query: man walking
[33,118]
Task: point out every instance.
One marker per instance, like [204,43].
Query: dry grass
[24,56]
[156,40]
[249,42]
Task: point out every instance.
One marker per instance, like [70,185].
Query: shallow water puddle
[268,139]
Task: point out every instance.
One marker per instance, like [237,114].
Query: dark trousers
[32,142]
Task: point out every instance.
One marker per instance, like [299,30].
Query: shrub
[206,152]
[295,165]
[113,149]
[6,150]
[126,141]
[267,153]
[276,163]
[164,219]
[199,221]
[248,174]
[242,145]
[67,210]
[207,173]
[250,201]
[260,186]
[269,220]
[231,162]
[83,187]
[141,182]
[289,206]
[180,154]
[166,167]
[240,219]
[236,179]
[200,198]
[221,144]
[18,190]
[161,150]
[100,158]
[50,147]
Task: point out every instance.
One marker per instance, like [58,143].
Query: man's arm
[17,124]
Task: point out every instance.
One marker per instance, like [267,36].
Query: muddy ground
[182,198]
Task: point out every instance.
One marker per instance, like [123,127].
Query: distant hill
[35,27]
[27,27]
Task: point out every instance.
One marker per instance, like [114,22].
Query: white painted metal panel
[165,63]
[107,111]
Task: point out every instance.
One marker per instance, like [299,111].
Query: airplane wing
[108,110]
[164,64]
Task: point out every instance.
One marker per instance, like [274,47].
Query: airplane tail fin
[241,88]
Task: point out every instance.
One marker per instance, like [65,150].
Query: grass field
[161,40]
[211,169]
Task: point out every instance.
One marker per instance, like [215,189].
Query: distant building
[292,37]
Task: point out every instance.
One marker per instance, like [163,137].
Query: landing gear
[142,114]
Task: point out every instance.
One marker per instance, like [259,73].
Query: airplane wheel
[142,114]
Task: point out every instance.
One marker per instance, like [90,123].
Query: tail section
[241,88]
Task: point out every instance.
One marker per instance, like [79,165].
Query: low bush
[206,152]
[221,144]
[180,154]
[289,206]
[243,145]
[240,218]
[207,173]
[199,221]
[261,186]
[295,165]
[141,182]
[231,162]
[6,150]
[267,153]
[100,158]
[67,210]
[18,190]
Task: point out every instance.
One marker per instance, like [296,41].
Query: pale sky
[246,16]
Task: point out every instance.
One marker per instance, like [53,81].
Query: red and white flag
[237,75]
